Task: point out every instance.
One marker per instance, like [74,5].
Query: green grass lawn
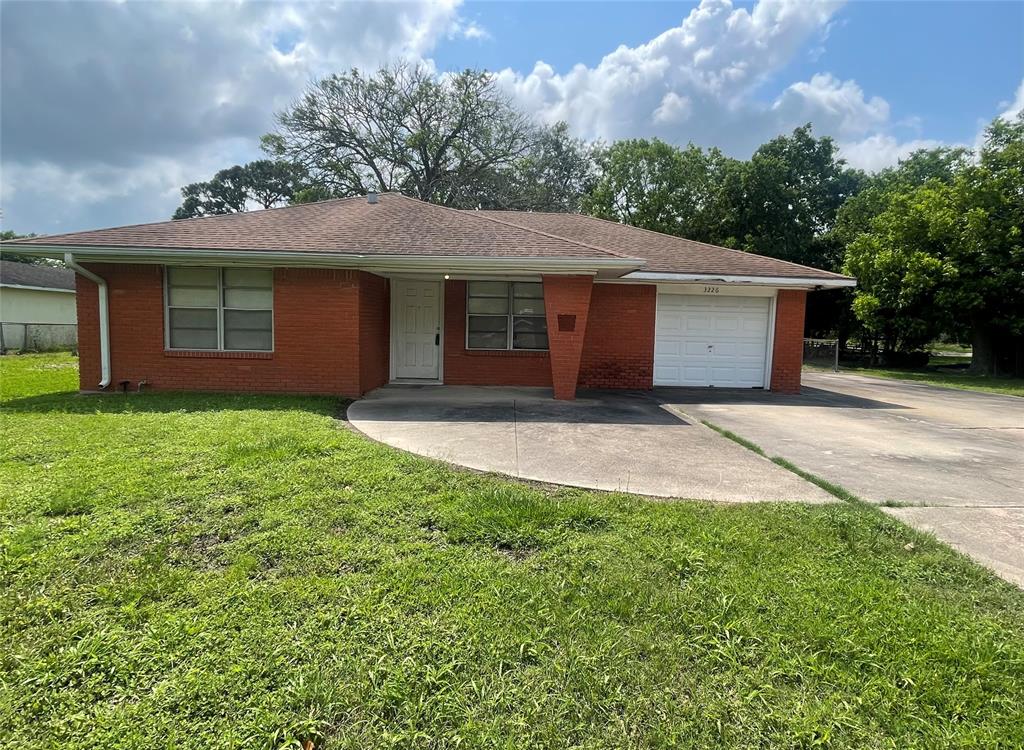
[943,377]
[195,571]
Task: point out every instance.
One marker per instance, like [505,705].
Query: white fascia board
[772,281]
[369,262]
[37,288]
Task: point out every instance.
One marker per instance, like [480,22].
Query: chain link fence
[38,337]
[822,352]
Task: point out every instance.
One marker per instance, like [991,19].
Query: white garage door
[711,340]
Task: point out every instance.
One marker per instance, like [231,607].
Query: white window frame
[510,316]
[221,307]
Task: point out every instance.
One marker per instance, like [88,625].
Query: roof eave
[33,288]
[794,282]
[363,261]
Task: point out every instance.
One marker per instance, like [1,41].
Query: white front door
[711,340]
[416,328]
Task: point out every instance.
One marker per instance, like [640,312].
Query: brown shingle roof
[399,226]
[663,253]
[396,225]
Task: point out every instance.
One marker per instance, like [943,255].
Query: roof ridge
[606,250]
[686,239]
[479,214]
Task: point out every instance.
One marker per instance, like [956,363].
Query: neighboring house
[343,296]
[37,307]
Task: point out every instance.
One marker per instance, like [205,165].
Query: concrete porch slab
[619,442]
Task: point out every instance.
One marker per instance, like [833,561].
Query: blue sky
[108,108]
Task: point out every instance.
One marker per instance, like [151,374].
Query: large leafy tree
[404,129]
[553,175]
[785,200]
[262,183]
[854,217]
[17,257]
[948,253]
[655,185]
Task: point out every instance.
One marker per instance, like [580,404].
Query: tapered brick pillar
[788,351]
[566,307]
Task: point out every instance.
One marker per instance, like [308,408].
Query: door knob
[437,339]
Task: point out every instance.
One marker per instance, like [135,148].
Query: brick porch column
[788,350]
[566,306]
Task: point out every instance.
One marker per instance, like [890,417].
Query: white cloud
[836,107]
[1012,109]
[673,108]
[702,82]
[713,61]
[880,150]
[106,105]
[109,108]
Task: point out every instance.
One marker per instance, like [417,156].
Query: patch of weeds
[829,487]
[269,448]
[512,517]
[515,554]
[67,505]
[899,504]
[203,551]
[735,438]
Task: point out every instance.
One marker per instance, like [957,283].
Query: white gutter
[101,284]
[306,259]
[774,281]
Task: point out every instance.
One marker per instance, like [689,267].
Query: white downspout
[69,261]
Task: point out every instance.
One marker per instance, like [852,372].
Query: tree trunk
[983,349]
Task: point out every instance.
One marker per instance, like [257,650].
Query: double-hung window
[505,315]
[220,309]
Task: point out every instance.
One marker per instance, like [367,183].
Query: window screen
[505,315]
[228,309]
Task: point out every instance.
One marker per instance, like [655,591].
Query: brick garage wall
[618,351]
[462,367]
[788,351]
[318,321]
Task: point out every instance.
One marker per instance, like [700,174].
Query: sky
[108,108]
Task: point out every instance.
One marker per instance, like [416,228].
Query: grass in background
[946,378]
[961,380]
[205,571]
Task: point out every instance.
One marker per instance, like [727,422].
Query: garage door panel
[711,341]
[726,324]
[668,348]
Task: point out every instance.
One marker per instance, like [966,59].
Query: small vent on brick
[567,323]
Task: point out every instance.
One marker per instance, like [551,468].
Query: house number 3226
[711,290]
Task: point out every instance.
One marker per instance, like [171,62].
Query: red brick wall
[618,351]
[318,320]
[567,305]
[87,302]
[374,332]
[788,351]
[462,367]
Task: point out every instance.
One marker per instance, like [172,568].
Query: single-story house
[37,307]
[344,296]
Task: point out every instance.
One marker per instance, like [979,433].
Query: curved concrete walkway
[625,442]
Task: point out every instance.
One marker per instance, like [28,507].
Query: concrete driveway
[607,441]
[957,456]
